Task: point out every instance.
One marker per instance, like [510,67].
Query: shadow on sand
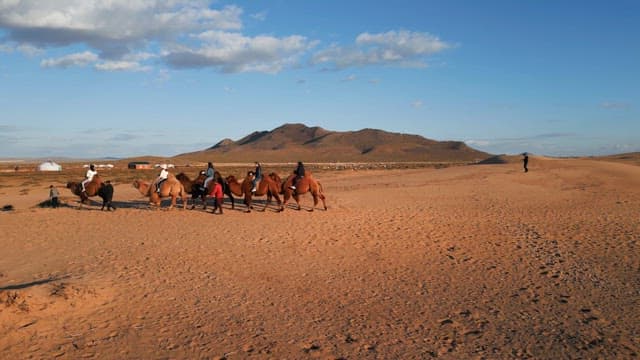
[33,283]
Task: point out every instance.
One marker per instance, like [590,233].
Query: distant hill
[628,158]
[298,142]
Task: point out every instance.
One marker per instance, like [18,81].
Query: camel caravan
[210,184]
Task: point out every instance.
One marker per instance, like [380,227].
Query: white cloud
[403,48]
[30,50]
[260,16]
[163,76]
[112,29]
[350,78]
[477,142]
[121,66]
[6,48]
[102,22]
[128,35]
[77,59]
[615,105]
[26,49]
[417,104]
[234,52]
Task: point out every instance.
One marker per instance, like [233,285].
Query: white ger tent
[49,166]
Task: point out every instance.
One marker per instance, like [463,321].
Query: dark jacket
[258,173]
[106,192]
[300,170]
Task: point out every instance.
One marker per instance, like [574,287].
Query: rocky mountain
[294,142]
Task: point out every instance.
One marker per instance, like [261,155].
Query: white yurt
[49,166]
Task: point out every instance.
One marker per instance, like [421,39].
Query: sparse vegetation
[13,299]
[59,290]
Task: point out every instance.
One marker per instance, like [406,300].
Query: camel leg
[315,201]
[266,203]
[296,197]
[204,202]
[286,196]
[280,207]
[232,201]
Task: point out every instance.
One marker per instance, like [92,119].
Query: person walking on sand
[217,195]
[53,196]
[525,161]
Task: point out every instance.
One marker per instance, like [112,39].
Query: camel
[304,185]
[266,186]
[193,187]
[91,189]
[235,186]
[169,188]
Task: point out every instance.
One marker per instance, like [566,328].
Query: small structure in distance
[137,165]
[168,166]
[49,165]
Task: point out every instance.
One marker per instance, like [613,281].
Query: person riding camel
[89,176]
[257,176]
[164,174]
[299,171]
[210,173]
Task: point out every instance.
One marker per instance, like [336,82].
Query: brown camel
[193,187]
[304,185]
[266,187]
[235,185]
[91,189]
[169,188]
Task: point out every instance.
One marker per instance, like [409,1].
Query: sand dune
[465,262]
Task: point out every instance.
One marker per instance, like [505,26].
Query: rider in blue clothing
[257,176]
[210,173]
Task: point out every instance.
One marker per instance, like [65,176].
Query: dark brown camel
[304,185]
[193,187]
[91,189]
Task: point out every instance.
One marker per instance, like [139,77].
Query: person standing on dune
[525,162]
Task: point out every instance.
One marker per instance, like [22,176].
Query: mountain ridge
[299,142]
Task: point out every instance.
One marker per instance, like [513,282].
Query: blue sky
[85,78]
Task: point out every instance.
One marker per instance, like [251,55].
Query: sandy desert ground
[473,262]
